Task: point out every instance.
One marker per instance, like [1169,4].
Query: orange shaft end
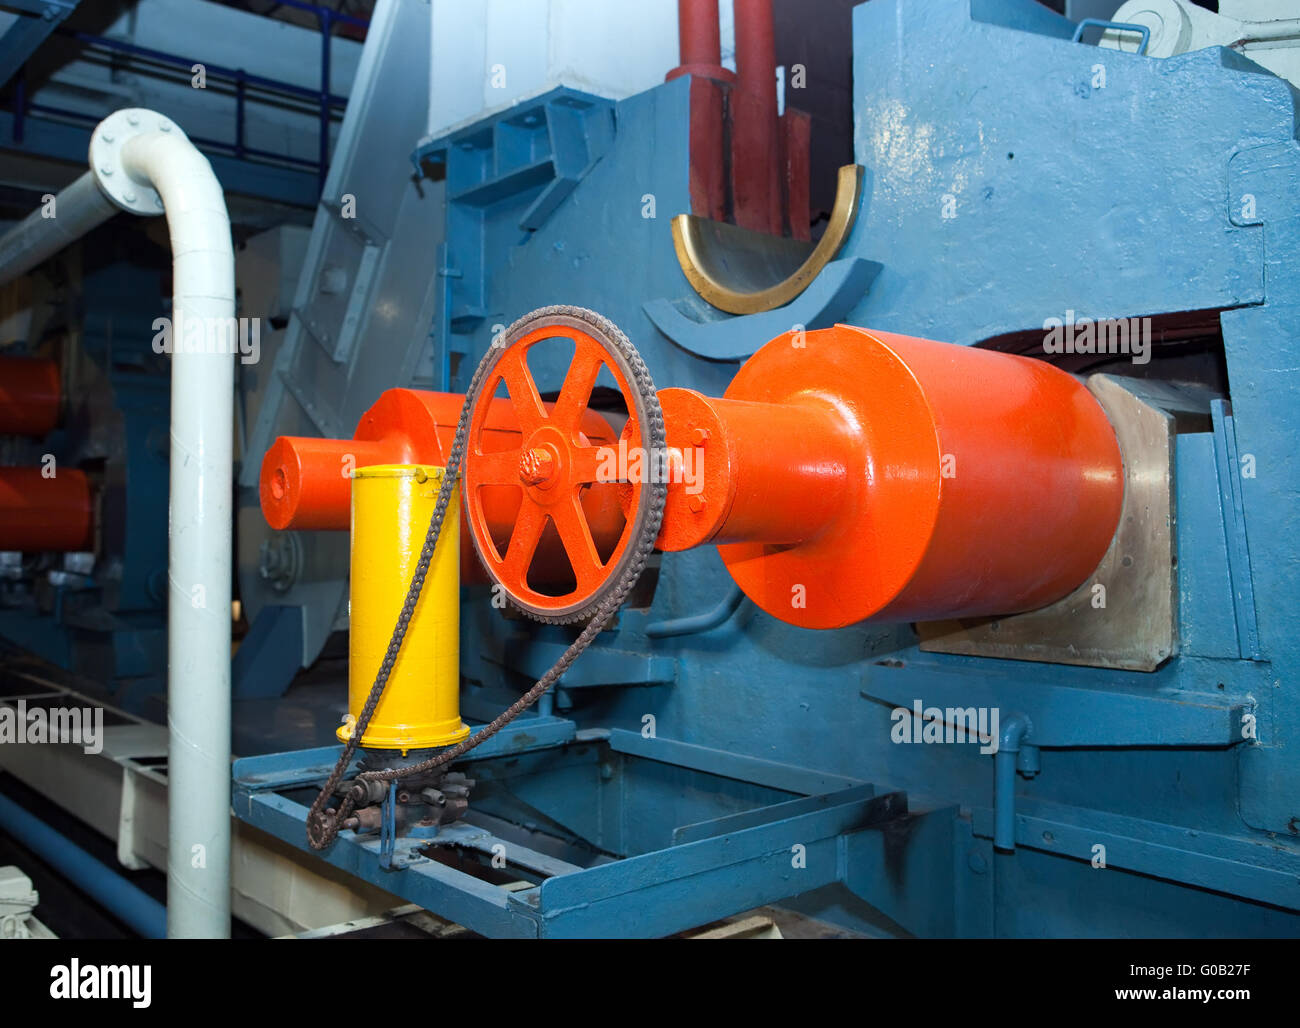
[39,513]
[306,483]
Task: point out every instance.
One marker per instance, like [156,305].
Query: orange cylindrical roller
[975,482]
[39,513]
[29,396]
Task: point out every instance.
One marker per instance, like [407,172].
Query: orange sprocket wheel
[556,465]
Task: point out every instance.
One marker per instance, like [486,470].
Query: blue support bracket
[1073,715]
[703,870]
[707,332]
[270,654]
[527,160]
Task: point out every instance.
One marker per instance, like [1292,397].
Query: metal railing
[241,79]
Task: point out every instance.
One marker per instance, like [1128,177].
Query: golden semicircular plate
[745,272]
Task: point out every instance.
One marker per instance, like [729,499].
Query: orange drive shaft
[306,482]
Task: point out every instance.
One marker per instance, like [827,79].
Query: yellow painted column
[420,708]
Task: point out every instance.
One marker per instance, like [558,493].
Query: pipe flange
[110,136]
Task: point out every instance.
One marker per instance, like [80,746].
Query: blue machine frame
[1012,175]
[760,822]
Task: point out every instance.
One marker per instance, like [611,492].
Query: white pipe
[159,157]
[142,163]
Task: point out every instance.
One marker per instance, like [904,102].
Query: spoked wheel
[557,466]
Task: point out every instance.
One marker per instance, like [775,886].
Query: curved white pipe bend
[199,523]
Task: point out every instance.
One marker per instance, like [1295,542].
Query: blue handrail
[242,80]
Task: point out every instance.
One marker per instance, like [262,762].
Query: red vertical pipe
[699,38]
[29,396]
[755,157]
[700,46]
[796,159]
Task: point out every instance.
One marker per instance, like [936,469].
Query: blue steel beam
[677,888]
[770,773]
[1261,871]
[33,26]
[453,894]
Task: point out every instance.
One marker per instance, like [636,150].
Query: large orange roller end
[851,475]
[954,481]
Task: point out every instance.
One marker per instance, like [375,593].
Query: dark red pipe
[699,38]
[755,152]
[700,46]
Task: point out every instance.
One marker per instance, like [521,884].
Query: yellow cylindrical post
[420,708]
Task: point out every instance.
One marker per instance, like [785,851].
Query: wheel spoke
[575,394]
[523,390]
[596,464]
[498,468]
[523,544]
[575,533]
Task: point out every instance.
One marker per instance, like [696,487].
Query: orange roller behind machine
[46,508]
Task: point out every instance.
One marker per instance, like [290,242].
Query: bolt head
[697,504]
[536,466]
